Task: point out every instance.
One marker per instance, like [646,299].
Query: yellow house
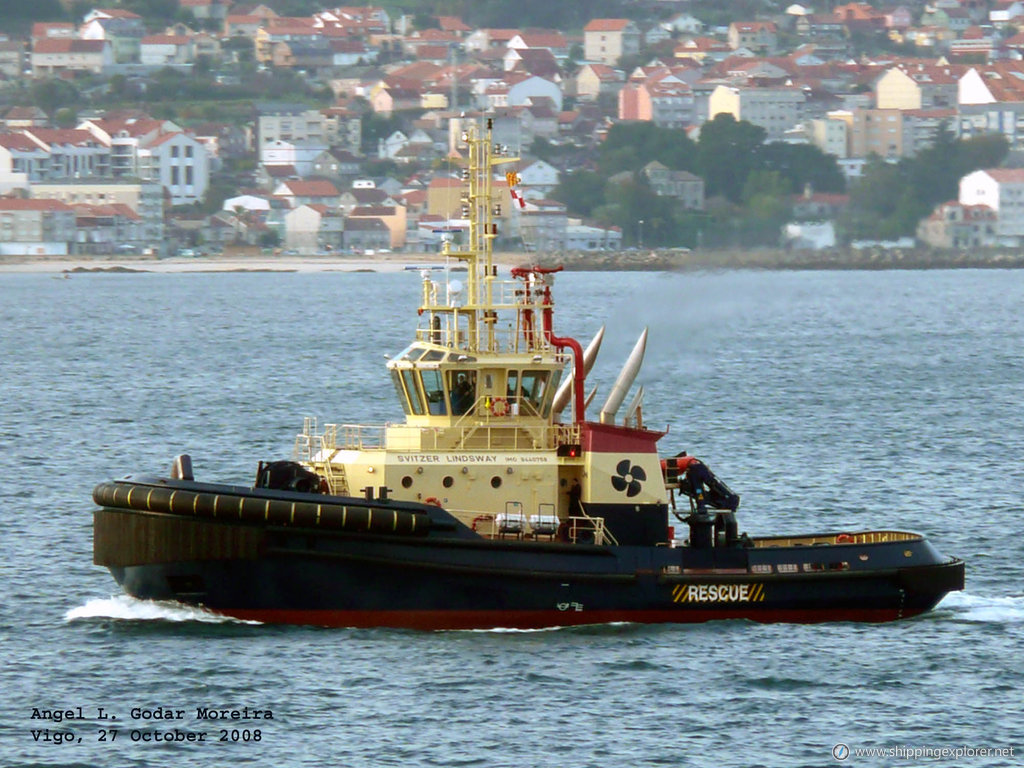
[434,100]
[393,217]
[918,86]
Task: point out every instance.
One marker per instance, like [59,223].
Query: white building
[538,179]
[991,100]
[580,237]
[22,161]
[155,150]
[525,90]
[1002,190]
[291,122]
[166,51]
[53,57]
[181,165]
[246,203]
[300,155]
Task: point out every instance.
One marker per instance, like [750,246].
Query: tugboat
[496,502]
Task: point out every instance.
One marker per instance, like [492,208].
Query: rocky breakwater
[681,259]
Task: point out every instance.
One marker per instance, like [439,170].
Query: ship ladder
[337,480]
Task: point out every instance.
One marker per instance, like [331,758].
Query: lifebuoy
[499,407]
[432,500]
[844,538]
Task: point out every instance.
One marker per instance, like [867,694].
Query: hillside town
[231,126]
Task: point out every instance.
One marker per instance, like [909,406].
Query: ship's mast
[480,309]
[470,326]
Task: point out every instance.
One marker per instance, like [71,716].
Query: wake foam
[998,610]
[128,608]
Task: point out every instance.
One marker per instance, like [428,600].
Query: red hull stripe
[546,619]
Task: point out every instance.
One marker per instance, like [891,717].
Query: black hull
[454,579]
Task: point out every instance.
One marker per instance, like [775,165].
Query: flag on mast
[513,178]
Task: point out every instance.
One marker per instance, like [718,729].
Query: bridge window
[415,400]
[433,388]
[533,388]
[402,397]
[462,386]
[411,353]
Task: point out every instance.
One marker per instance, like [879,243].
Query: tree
[766,197]
[65,117]
[891,198]
[630,146]
[643,217]
[727,152]
[802,165]
[873,198]
[51,94]
[375,127]
[985,151]
[581,191]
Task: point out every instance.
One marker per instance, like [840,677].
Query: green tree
[891,198]
[766,197]
[630,146]
[375,127]
[985,151]
[727,152]
[803,164]
[51,94]
[645,218]
[65,117]
[873,198]
[581,191]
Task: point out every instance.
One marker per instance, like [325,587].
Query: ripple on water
[828,400]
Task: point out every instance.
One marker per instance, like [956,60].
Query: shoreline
[139,264]
[676,260]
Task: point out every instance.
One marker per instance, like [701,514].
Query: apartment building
[776,109]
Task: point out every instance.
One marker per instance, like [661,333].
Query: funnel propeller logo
[629,478]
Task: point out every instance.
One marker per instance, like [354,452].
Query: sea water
[828,400]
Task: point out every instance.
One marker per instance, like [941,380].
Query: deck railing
[360,437]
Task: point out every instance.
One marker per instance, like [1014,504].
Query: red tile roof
[452,24]
[48,28]
[607,25]
[71,136]
[312,188]
[117,13]
[1006,175]
[17,141]
[68,45]
[19,204]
